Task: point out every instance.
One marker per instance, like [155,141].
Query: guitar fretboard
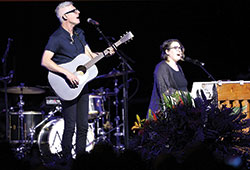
[99,57]
[94,60]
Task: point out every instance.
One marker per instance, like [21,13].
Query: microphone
[93,22]
[194,61]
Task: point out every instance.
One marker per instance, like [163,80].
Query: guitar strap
[77,35]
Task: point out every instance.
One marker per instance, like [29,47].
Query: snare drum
[50,137]
[96,106]
[30,120]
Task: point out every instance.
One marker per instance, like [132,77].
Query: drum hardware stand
[104,135]
[21,149]
[21,117]
[100,132]
[117,134]
[33,129]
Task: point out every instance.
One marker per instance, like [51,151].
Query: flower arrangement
[184,122]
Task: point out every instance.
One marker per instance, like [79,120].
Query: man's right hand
[72,78]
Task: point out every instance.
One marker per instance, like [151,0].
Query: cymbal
[114,73]
[23,90]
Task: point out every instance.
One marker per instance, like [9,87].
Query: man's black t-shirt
[64,48]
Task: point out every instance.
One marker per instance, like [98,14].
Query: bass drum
[50,137]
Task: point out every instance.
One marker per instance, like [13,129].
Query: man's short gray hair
[60,13]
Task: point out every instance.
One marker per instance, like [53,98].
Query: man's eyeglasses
[73,10]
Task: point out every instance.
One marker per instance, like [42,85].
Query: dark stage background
[214,32]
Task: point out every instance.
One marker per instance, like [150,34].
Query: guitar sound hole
[81,68]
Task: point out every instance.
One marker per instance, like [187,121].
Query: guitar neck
[100,56]
[94,60]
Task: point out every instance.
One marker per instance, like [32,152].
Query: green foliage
[184,122]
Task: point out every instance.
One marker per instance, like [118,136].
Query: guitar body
[62,86]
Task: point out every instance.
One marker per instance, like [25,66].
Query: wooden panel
[233,92]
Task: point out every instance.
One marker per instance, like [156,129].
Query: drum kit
[27,128]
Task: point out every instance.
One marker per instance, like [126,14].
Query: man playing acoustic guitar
[63,46]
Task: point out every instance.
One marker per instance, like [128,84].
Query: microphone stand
[209,75]
[200,64]
[125,67]
[6,80]
[215,94]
